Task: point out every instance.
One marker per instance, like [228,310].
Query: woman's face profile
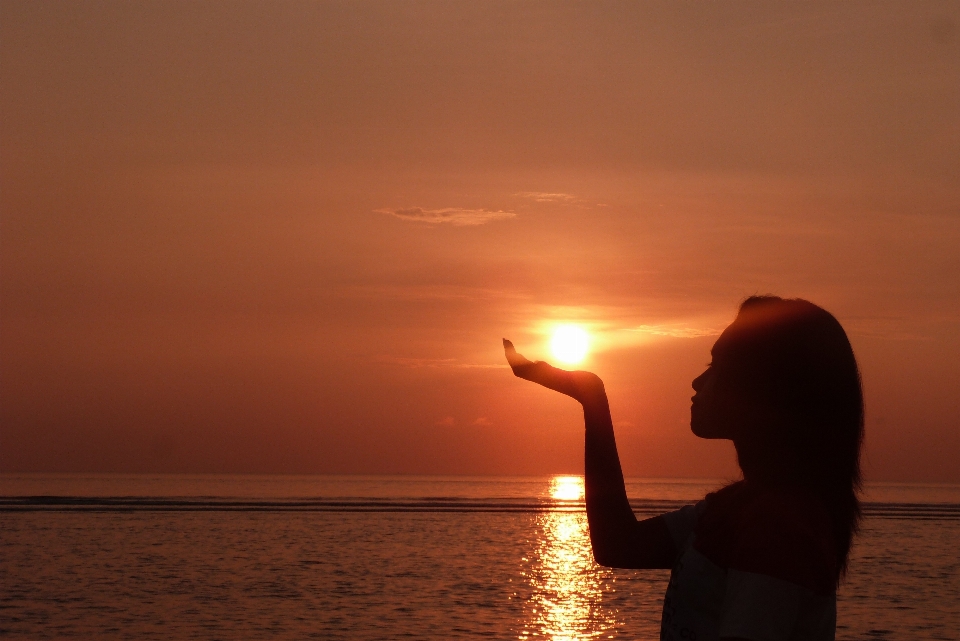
[714,406]
[703,410]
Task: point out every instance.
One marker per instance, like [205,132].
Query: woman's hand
[583,386]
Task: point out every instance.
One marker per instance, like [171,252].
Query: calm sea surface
[231,557]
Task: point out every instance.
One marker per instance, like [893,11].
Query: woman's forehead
[723,344]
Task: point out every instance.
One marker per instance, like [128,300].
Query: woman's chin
[697,429]
[706,430]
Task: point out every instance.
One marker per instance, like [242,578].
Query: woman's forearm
[618,539]
[612,523]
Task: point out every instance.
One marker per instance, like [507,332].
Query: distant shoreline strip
[12,504]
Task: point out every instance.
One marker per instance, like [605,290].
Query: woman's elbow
[610,558]
[607,561]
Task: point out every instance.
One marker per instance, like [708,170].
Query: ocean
[362,558]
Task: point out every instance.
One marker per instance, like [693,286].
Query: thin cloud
[482,421]
[675,332]
[456,216]
[545,197]
[446,421]
[436,363]
[890,328]
[417,363]
[431,292]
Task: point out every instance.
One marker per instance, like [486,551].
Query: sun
[569,343]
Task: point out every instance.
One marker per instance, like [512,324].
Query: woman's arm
[618,539]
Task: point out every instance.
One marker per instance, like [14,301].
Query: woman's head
[785,387]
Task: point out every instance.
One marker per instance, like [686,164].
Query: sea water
[242,557]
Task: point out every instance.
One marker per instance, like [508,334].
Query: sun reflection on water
[565,604]
[567,488]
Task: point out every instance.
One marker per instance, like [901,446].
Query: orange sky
[288,237]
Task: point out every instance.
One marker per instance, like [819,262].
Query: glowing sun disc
[569,343]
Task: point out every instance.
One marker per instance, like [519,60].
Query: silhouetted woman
[761,558]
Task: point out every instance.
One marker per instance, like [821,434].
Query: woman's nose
[698,382]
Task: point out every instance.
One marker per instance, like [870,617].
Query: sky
[288,237]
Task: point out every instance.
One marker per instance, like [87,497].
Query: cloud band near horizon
[457,216]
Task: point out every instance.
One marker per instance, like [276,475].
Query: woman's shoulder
[781,532]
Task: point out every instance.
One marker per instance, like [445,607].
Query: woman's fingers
[513,358]
[521,366]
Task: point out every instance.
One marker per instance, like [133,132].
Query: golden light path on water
[566,601]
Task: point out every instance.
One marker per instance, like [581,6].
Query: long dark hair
[792,361]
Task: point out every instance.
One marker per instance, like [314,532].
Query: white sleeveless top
[707,602]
